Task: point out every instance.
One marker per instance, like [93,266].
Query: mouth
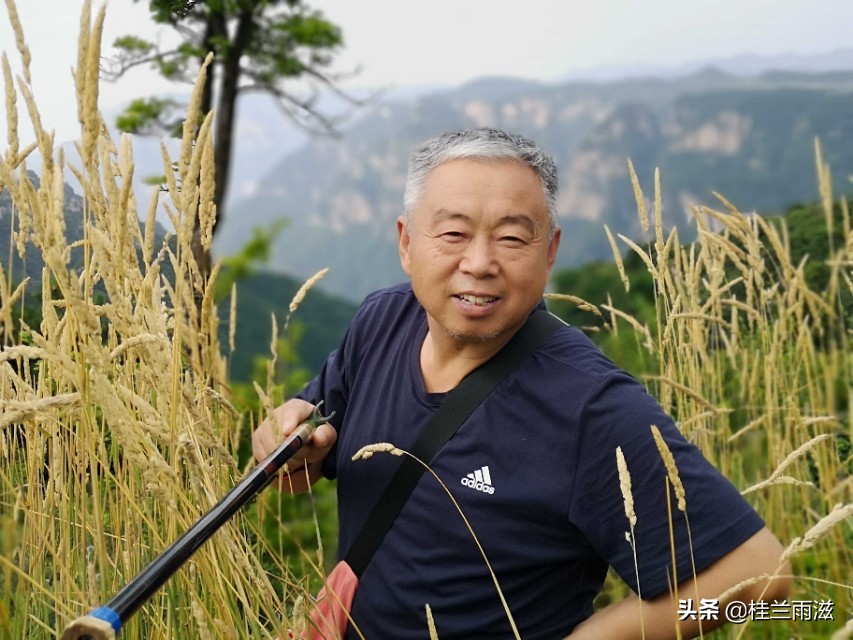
[479,301]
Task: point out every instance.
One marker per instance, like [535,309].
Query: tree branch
[114,68]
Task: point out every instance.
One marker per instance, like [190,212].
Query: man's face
[478,249]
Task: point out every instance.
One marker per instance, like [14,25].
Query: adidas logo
[479,480]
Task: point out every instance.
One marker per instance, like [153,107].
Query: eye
[453,236]
[511,241]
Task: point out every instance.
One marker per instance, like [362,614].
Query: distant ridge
[750,138]
[742,65]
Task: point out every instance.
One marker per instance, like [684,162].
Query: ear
[551,255]
[403,240]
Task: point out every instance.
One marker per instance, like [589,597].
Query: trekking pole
[105,622]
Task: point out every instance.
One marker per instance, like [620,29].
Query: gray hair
[480,144]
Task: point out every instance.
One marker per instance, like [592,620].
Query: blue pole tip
[108,615]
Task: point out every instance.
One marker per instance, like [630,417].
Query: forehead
[483,185]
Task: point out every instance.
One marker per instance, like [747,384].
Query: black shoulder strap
[454,410]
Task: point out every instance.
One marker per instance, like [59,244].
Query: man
[478,239]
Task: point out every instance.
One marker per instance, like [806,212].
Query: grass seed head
[671,469]
[380,447]
[625,486]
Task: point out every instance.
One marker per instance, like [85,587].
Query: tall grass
[757,369]
[116,431]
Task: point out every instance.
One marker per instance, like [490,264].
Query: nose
[479,259]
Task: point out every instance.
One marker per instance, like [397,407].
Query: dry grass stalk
[232,319]
[20,41]
[207,213]
[777,480]
[191,123]
[701,316]
[673,563]
[752,424]
[671,469]
[686,391]
[582,304]
[735,219]
[659,244]
[628,500]
[379,447]
[643,255]
[302,292]
[266,402]
[638,197]
[271,363]
[840,513]
[625,486]
[617,257]
[11,115]
[824,180]
[613,325]
[734,589]
[798,452]
[305,288]
[641,328]
[433,634]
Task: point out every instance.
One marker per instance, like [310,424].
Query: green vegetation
[811,242]
[750,351]
[315,330]
[255,46]
[120,424]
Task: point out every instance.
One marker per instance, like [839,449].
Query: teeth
[478,300]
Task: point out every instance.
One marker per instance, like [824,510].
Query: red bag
[330,615]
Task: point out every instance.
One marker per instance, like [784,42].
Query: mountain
[748,138]
[322,318]
[744,65]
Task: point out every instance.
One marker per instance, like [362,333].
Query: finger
[324,437]
[264,440]
[259,446]
[290,415]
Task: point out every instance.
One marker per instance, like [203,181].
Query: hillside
[323,318]
[320,323]
[749,138]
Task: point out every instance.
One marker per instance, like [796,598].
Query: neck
[446,359]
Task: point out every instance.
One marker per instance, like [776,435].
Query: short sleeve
[620,413]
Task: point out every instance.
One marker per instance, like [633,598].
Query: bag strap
[457,406]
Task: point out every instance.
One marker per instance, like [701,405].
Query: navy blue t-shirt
[534,471]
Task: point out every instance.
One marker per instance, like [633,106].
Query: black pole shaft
[137,592]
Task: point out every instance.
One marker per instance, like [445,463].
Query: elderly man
[478,240]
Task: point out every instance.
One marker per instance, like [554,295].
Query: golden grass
[116,428]
[757,369]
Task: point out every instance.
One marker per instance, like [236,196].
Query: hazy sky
[400,43]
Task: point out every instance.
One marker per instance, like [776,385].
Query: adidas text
[479,480]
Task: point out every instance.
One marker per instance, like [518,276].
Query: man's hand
[303,468]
